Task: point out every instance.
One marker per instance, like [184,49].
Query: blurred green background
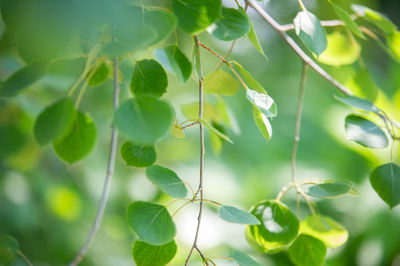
[49,206]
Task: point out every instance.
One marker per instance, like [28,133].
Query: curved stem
[107,182]
[25,258]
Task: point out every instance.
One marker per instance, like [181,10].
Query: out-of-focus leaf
[307,251]
[9,248]
[309,29]
[162,21]
[341,50]
[232,25]
[145,254]
[329,190]
[100,75]
[220,82]
[359,103]
[385,179]
[262,123]
[345,17]
[362,83]
[243,259]
[172,58]
[215,131]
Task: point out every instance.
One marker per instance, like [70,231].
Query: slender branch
[202,152]
[25,258]
[298,121]
[285,190]
[107,182]
[226,55]
[324,23]
[189,125]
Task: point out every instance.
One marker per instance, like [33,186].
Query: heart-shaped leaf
[385,179]
[232,25]
[145,254]
[149,78]
[138,155]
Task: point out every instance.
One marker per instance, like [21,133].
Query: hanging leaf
[100,75]
[307,251]
[79,140]
[279,226]
[220,82]
[345,17]
[262,123]
[215,131]
[162,21]
[332,233]
[9,248]
[329,190]
[172,58]
[235,215]
[359,103]
[138,155]
[232,25]
[243,259]
[145,254]
[167,180]
[250,81]
[195,16]
[385,179]
[54,121]
[23,78]
[149,78]
[151,222]
[365,132]
[309,29]
[144,119]
[263,102]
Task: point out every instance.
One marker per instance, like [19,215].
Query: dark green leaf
[167,180]
[147,255]
[365,132]
[307,251]
[151,222]
[162,21]
[8,249]
[345,17]
[100,75]
[149,78]
[54,121]
[232,25]
[195,16]
[359,103]
[243,259]
[309,29]
[262,123]
[220,82]
[235,215]
[144,119]
[79,141]
[329,190]
[23,78]
[172,58]
[138,155]
[279,226]
[263,102]
[385,179]
[12,139]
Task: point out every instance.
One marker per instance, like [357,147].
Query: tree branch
[107,182]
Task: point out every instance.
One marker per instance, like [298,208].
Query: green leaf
[359,103]
[345,17]
[144,119]
[79,141]
[307,251]
[243,259]
[365,132]
[263,102]
[100,75]
[220,82]
[195,16]
[149,78]
[151,222]
[262,123]
[279,226]
[393,42]
[172,58]
[145,254]
[362,84]
[167,180]
[215,131]
[23,78]
[232,25]
[250,81]
[329,190]
[332,233]
[54,121]
[378,19]
[235,215]
[162,21]
[252,35]
[9,248]
[138,155]
[309,29]
[385,179]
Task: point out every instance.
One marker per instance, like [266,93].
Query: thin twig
[109,174]
[324,23]
[226,55]
[25,258]
[189,125]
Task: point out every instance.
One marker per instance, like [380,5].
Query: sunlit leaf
[151,222]
[345,17]
[359,103]
[167,180]
[262,123]
[307,251]
[138,155]
[329,189]
[362,84]
[263,102]
[243,259]
[145,254]
[177,132]
[220,82]
[393,42]
[342,49]
[100,75]
[215,131]
[235,215]
[9,248]
[232,25]
[385,179]
[172,58]
[309,29]
[250,81]
[149,78]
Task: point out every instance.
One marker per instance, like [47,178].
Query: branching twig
[107,182]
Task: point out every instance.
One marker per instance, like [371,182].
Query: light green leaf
[9,248]
[167,180]
[359,103]
[232,25]
[378,19]
[195,16]
[362,84]
[216,143]
[243,259]
[215,131]
[144,119]
[252,35]
[345,17]
[332,233]
[151,222]
[149,78]
[235,215]
[145,254]
[220,82]
[23,78]
[138,155]
[172,58]
[262,123]
[309,29]
[79,141]
[329,189]
[307,251]
[393,42]
[365,132]
[100,75]
[263,102]
[162,21]
[385,179]
[250,81]
[54,121]
[278,228]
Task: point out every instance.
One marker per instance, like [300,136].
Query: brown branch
[324,23]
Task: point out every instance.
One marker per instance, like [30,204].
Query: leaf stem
[25,258]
